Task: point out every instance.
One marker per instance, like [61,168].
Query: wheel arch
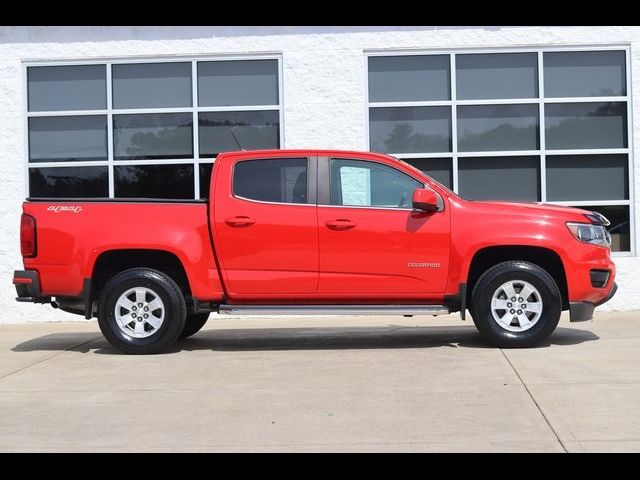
[544,257]
[111,262]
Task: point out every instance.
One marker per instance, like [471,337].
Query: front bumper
[582,311]
[27,283]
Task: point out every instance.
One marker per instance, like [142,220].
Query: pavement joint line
[534,401]
[38,362]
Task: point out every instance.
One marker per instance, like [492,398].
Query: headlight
[589,233]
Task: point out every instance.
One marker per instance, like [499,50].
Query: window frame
[324,183]
[311,180]
[540,100]
[196,160]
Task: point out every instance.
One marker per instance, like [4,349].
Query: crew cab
[293,232]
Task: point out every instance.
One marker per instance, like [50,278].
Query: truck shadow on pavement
[311,338]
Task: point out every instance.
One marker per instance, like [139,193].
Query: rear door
[266,227]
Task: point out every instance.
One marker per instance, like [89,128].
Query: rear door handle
[340,224]
[240,221]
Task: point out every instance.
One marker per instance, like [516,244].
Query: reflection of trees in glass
[68,182]
[403,138]
[154,181]
[597,125]
[170,142]
[216,137]
[502,137]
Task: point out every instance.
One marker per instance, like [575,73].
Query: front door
[266,227]
[372,245]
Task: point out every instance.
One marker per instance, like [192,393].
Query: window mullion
[110,133]
[541,127]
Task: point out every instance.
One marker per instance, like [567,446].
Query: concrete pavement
[323,384]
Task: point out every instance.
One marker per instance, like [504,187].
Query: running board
[333,309]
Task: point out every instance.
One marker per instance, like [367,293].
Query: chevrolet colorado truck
[293,232]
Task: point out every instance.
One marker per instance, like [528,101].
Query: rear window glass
[281,180]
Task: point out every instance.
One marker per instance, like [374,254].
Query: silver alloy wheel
[139,312]
[516,305]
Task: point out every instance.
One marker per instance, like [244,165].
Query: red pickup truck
[313,232]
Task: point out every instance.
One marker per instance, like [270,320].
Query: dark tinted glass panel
[153,136]
[254,130]
[410,129]
[205,179]
[282,180]
[154,181]
[584,74]
[499,178]
[619,229]
[586,125]
[59,139]
[238,82]
[499,75]
[151,85]
[64,182]
[73,87]
[440,169]
[409,78]
[497,127]
[370,184]
[587,177]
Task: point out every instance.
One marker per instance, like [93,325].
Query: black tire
[175,311]
[487,285]
[194,323]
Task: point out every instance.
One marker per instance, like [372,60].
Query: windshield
[424,174]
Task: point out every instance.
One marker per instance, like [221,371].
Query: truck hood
[543,210]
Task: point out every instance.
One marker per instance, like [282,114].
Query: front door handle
[340,224]
[240,221]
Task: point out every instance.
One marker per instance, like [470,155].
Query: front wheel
[142,311]
[516,304]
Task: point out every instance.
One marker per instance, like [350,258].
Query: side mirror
[425,199]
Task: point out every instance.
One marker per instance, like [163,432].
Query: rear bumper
[27,283]
[582,311]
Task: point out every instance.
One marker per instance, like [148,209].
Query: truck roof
[302,151]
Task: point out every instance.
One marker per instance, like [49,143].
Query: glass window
[81,182]
[153,136]
[440,169]
[497,127]
[205,179]
[278,180]
[587,177]
[584,74]
[500,178]
[151,85]
[253,130]
[499,75]
[586,125]
[410,129]
[409,78]
[619,229]
[369,184]
[69,87]
[154,181]
[234,82]
[68,138]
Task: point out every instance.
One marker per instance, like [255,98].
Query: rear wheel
[142,311]
[516,304]
[194,323]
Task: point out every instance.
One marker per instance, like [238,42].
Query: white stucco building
[518,113]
